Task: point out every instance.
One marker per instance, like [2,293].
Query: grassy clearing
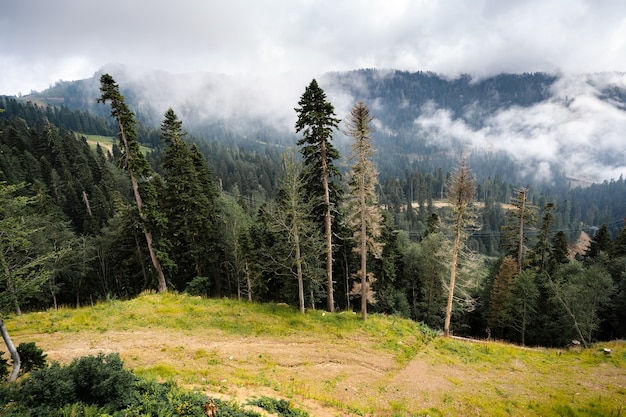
[106,142]
[331,364]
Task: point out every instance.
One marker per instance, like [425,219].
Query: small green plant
[280,407]
[199,286]
[31,357]
[4,367]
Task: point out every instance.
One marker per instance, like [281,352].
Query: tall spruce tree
[316,121]
[188,200]
[541,253]
[137,167]
[600,242]
[364,214]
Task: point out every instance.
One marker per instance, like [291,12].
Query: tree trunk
[248,281]
[364,289]
[296,241]
[162,286]
[455,256]
[330,303]
[14,355]
[520,248]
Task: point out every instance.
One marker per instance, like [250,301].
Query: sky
[277,46]
[46,41]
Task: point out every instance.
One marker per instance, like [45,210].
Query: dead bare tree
[461,192]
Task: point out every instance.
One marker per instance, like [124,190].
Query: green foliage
[96,380]
[281,407]
[4,367]
[188,200]
[31,357]
[199,286]
[99,386]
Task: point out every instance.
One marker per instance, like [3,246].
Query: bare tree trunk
[364,287]
[248,281]
[520,248]
[330,303]
[455,257]
[14,355]
[296,241]
[162,286]
[462,191]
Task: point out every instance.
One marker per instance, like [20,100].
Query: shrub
[4,367]
[102,380]
[51,387]
[281,407]
[199,286]
[94,380]
[31,357]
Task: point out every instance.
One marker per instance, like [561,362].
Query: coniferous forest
[170,209]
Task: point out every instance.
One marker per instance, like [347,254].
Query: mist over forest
[548,125]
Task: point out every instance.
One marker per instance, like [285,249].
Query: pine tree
[137,167]
[461,192]
[316,121]
[500,299]
[519,220]
[364,214]
[541,253]
[600,242]
[560,250]
[188,200]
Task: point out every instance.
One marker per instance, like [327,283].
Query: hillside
[330,364]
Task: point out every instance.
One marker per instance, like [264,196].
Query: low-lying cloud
[581,128]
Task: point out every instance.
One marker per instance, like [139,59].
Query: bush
[31,357]
[94,380]
[102,380]
[4,367]
[281,407]
[199,286]
[95,386]
[48,388]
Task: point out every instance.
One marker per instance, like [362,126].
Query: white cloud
[481,37]
[575,129]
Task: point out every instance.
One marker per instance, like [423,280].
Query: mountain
[540,128]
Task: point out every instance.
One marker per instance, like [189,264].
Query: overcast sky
[43,41]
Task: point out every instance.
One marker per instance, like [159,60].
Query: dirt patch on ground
[314,375]
[344,378]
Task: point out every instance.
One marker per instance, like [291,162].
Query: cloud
[273,48]
[70,39]
[578,128]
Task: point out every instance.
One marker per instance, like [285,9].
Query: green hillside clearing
[107,142]
[331,364]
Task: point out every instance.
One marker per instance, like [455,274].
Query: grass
[331,363]
[106,142]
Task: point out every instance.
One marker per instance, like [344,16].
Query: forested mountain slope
[527,128]
[217,218]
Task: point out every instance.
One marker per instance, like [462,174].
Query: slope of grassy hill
[331,364]
[106,142]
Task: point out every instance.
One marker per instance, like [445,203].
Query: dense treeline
[72,235]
